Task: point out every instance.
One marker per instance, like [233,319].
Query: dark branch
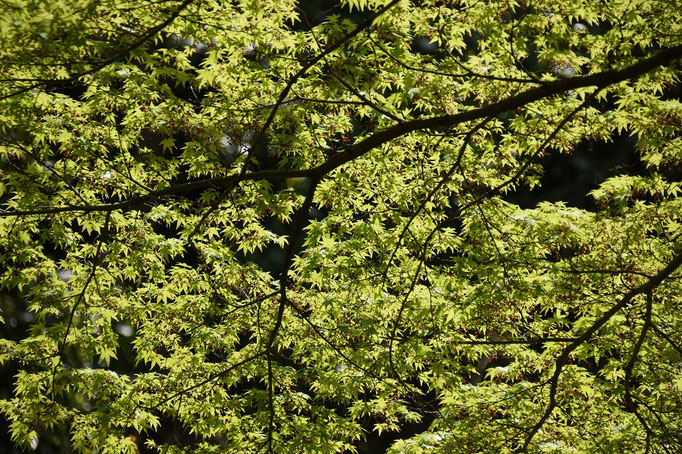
[647,287]
[600,80]
[116,57]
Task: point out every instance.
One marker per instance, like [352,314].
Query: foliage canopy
[281,237]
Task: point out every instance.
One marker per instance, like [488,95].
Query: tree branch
[117,56]
[647,287]
[601,80]
[301,219]
[283,95]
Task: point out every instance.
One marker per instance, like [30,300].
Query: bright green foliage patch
[278,237]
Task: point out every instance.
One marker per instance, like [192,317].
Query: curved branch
[282,99]
[647,287]
[600,80]
[114,58]
[629,405]
[284,301]
[441,183]
[98,257]
[283,95]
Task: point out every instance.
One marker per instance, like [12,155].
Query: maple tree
[282,237]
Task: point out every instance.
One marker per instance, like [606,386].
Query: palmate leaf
[224,229]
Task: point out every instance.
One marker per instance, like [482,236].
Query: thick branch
[301,220]
[600,80]
[647,287]
[603,79]
[629,405]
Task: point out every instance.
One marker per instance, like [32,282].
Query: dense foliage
[266,235]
